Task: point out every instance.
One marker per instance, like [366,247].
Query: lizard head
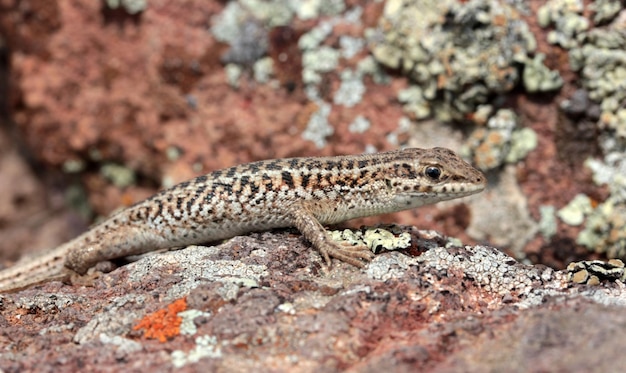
[419,177]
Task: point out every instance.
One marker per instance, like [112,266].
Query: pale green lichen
[187,325]
[120,176]
[605,230]
[605,10]
[538,78]
[315,36]
[414,102]
[245,24]
[272,13]
[576,210]
[523,141]
[598,53]
[74,166]
[130,6]
[316,61]
[457,53]
[611,170]
[547,221]
[263,69]
[233,73]
[173,153]
[500,141]
[374,238]
[567,18]
[369,67]
[310,9]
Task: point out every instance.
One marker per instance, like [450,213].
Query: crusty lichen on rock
[456,53]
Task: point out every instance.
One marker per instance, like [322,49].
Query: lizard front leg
[306,222]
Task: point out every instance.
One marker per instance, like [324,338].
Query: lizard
[306,193]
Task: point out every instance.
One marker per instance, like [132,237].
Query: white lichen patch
[489,267]
[351,90]
[360,124]
[576,210]
[547,221]
[376,239]
[318,128]
[124,345]
[206,347]
[188,326]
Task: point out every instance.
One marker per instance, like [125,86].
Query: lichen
[369,67]
[547,222]
[130,6]
[567,19]
[245,24]
[538,78]
[593,272]
[359,125]
[318,128]
[605,10]
[376,239]
[350,46]
[500,141]
[575,211]
[119,175]
[605,230]
[263,69]
[233,73]
[316,61]
[458,54]
[164,323]
[598,52]
[206,347]
[74,166]
[244,31]
[187,325]
[351,90]
[309,9]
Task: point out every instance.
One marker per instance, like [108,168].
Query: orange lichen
[164,323]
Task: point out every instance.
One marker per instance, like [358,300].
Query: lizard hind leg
[315,233]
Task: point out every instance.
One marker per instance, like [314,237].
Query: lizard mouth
[446,190]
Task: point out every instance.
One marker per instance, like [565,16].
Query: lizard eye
[433,172]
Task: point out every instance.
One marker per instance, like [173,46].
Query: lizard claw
[355,255]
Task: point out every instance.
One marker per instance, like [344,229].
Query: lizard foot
[355,255]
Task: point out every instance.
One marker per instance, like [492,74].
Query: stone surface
[264,301]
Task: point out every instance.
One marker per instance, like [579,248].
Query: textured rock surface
[264,302]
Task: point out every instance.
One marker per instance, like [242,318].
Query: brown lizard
[304,193]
